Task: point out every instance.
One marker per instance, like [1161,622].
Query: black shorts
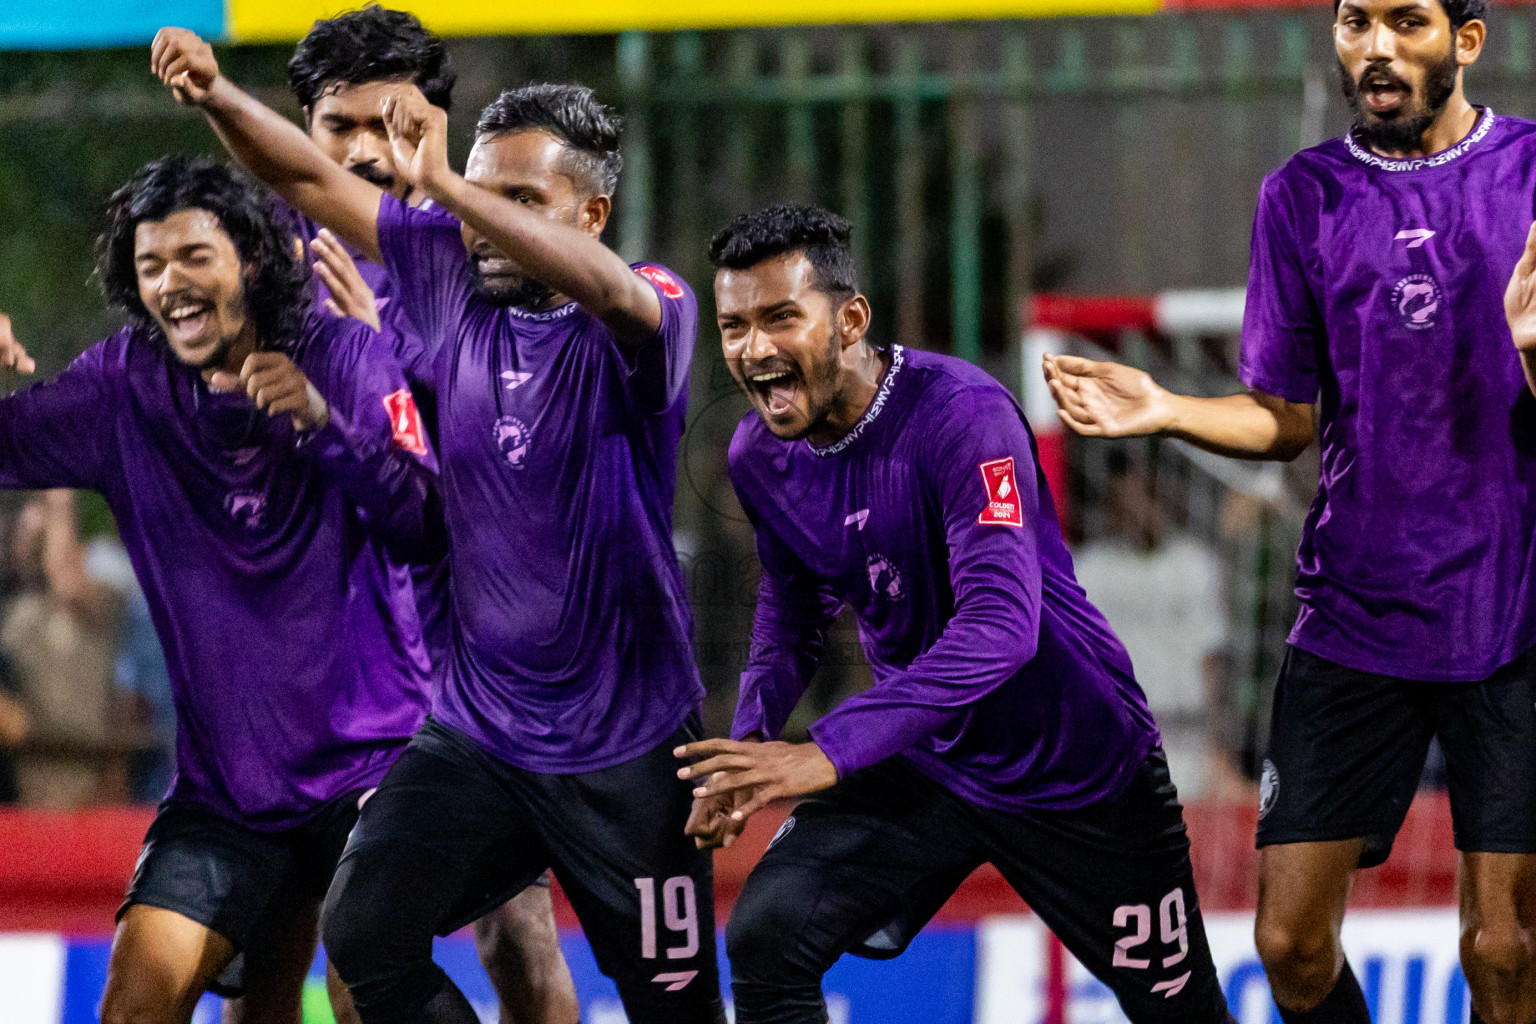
[453,831]
[864,865]
[1347,748]
[236,880]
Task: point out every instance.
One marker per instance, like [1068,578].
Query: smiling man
[1378,266]
[256,474]
[1004,724]
[560,377]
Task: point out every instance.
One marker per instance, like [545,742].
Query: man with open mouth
[1004,724]
[262,474]
[1377,273]
[560,376]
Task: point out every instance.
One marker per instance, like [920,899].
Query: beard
[1403,130]
[511,292]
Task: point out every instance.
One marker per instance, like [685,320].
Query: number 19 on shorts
[679,913]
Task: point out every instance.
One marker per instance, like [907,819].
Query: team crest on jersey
[1269,787]
[1417,301]
[405,422]
[1003,505]
[248,508]
[661,279]
[884,577]
[512,439]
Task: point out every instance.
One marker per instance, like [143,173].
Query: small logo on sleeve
[1003,506]
[405,422]
[661,279]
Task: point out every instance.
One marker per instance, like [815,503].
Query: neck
[235,354]
[861,382]
[1452,125]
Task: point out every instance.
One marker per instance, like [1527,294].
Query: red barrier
[67,872]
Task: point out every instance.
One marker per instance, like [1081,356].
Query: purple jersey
[570,646]
[430,578]
[297,672]
[1377,286]
[993,673]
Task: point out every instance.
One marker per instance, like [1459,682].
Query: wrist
[446,189]
[1169,412]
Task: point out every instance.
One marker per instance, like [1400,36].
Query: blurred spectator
[59,632]
[1161,590]
[140,671]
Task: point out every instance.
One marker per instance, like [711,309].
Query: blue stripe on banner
[66,24]
[934,981]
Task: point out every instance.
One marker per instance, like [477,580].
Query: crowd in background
[85,702]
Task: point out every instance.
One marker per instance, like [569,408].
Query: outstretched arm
[560,255]
[1520,308]
[1101,399]
[270,146]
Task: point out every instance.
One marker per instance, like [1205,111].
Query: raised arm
[269,145]
[560,255]
[1101,399]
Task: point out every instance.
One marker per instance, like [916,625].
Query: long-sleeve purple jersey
[993,673]
[297,669]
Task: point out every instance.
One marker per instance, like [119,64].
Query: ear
[592,215]
[853,320]
[309,120]
[1469,42]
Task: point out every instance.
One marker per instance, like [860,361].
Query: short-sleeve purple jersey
[570,623]
[1376,289]
[993,673]
[297,671]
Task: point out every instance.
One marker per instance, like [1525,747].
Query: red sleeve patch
[661,279]
[405,422]
[1003,505]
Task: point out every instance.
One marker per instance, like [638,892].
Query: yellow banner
[279,20]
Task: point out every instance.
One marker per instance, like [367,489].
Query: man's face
[1398,64]
[348,125]
[191,281]
[781,342]
[529,168]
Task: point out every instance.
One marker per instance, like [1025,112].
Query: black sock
[1344,1005]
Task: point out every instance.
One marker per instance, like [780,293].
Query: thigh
[643,892]
[859,868]
[161,964]
[1488,733]
[1114,883]
[1346,750]
[439,841]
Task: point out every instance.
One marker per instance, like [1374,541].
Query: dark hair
[373,44]
[274,292]
[1459,11]
[572,114]
[820,234]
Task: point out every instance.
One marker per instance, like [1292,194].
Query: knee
[763,937]
[120,1007]
[1297,958]
[1500,951]
[352,927]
